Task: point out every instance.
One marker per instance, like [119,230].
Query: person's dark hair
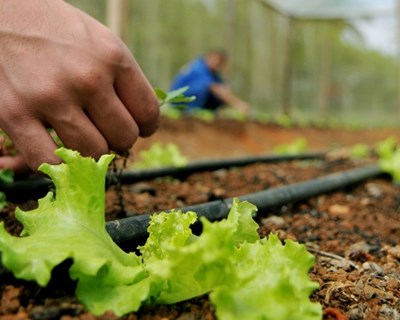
[220,51]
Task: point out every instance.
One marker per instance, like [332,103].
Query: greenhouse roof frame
[332,9]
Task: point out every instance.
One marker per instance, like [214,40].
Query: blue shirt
[199,78]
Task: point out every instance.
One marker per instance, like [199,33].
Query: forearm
[229,98]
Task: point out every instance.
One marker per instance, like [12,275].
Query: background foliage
[327,73]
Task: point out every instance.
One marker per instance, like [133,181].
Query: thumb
[14,163]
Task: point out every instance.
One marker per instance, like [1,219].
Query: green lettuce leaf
[272,283]
[159,155]
[182,265]
[247,277]
[71,225]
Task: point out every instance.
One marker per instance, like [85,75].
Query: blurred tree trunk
[287,70]
[117,16]
[126,16]
[325,73]
[230,34]
[114,16]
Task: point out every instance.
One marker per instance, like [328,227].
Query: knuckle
[16,112]
[114,53]
[49,95]
[89,80]
[43,93]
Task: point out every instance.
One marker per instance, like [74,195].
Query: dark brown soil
[354,233]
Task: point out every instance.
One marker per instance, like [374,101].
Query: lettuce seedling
[158,155]
[284,121]
[386,147]
[6,176]
[297,146]
[175,97]
[389,158]
[246,277]
[173,102]
[233,114]
[359,151]
[203,114]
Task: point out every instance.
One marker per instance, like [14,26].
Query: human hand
[243,107]
[16,163]
[62,69]
[9,159]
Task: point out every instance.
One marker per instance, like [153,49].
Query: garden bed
[353,232]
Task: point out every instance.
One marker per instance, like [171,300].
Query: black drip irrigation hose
[134,229]
[210,165]
[37,187]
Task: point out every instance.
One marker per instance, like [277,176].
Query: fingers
[139,98]
[14,163]
[34,143]
[113,120]
[82,81]
[77,132]
[109,126]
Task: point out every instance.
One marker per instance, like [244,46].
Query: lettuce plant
[6,176]
[158,155]
[246,277]
[173,102]
[389,157]
[297,146]
[386,147]
[233,113]
[359,151]
[284,121]
[175,97]
[203,114]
